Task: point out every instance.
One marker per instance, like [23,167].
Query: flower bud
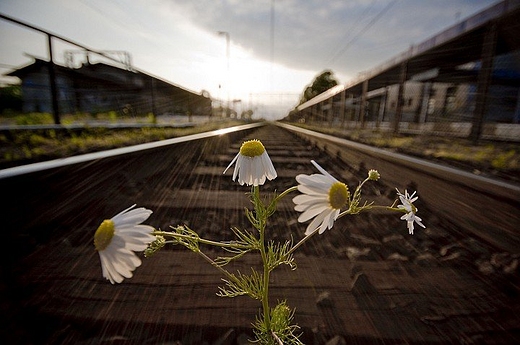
[373,175]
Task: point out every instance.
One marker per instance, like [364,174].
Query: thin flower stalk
[234,245]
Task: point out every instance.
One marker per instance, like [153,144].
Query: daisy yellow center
[104,234]
[338,195]
[252,148]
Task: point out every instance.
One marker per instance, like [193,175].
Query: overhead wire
[363,30]
[352,27]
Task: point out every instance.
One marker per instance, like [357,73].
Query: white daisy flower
[253,164]
[322,199]
[116,240]
[410,209]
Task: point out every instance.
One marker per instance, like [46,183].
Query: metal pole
[226,34]
[363,109]
[342,108]
[154,110]
[52,82]
[400,97]
[484,80]
[272,47]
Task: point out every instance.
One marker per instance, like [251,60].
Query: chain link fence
[464,82]
[49,77]
[432,107]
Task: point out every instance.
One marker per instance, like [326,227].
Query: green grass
[30,146]
[22,147]
[488,156]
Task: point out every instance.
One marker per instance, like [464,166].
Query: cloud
[345,36]
[178,41]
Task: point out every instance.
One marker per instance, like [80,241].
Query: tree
[11,98]
[324,81]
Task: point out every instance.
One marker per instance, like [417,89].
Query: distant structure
[463,81]
[99,87]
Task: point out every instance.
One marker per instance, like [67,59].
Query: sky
[276,47]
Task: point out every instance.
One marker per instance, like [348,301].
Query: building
[463,81]
[99,87]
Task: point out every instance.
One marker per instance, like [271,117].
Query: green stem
[278,340]
[302,241]
[263,253]
[202,240]
[284,193]
[214,264]
[371,207]
[197,250]
[344,213]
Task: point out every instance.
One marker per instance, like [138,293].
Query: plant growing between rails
[323,199]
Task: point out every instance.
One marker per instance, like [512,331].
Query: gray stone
[354,253]
[337,340]
[485,267]
[324,300]
[227,338]
[365,240]
[511,267]
[393,237]
[397,257]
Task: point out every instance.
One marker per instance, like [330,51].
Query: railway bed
[366,280]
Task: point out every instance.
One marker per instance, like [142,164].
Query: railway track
[365,280]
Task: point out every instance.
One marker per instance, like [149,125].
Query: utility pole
[272,44]
[52,82]
[226,34]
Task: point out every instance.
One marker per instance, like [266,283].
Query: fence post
[331,111]
[400,97]
[484,80]
[52,82]
[363,107]
[382,108]
[342,108]
[154,110]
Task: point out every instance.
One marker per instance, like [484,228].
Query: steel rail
[56,163]
[455,175]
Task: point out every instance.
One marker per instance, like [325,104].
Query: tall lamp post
[226,34]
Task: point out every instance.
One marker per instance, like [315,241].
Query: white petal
[323,171]
[304,206]
[312,212]
[327,223]
[124,211]
[268,167]
[136,216]
[109,272]
[309,199]
[127,259]
[315,223]
[418,221]
[116,242]
[304,202]
[140,230]
[314,179]
[306,189]
[230,164]
[136,245]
